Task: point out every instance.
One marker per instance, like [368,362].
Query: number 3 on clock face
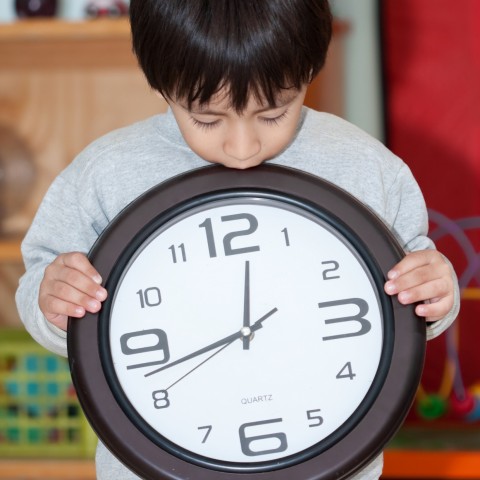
[246,330]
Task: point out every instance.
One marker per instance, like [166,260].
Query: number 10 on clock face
[245,330]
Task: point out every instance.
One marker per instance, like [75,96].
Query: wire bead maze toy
[452,396]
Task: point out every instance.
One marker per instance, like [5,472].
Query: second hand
[199,365]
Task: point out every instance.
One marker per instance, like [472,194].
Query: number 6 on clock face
[247,331]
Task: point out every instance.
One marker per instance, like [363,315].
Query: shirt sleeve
[60,225]
[407,213]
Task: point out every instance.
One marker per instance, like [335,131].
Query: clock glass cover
[246,329]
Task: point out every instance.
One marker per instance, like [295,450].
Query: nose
[242,142]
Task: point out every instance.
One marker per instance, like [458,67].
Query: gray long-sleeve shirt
[117,168]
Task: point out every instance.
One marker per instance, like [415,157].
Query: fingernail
[97,279]
[420,310]
[403,297]
[94,305]
[390,287]
[101,295]
[392,274]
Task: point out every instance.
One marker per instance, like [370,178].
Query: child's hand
[70,287]
[423,276]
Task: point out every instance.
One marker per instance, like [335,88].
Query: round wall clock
[246,333]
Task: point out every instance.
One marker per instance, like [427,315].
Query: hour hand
[212,346]
[245,331]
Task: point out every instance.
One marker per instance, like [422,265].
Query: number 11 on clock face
[239,330]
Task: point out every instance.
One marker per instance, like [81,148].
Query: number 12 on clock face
[239,330]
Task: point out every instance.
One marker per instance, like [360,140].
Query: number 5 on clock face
[176,330]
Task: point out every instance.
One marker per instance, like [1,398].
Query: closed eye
[205,125]
[275,120]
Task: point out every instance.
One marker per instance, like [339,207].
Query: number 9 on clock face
[246,330]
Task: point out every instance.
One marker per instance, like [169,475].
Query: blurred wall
[363,91]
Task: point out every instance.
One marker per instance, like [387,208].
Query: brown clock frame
[374,423]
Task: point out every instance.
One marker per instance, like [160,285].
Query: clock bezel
[127,232]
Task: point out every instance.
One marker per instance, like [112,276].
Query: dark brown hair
[190,49]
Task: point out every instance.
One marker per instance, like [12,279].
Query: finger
[423,274]
[79,261]
[53,307]
[70,287]
[84,286]
[435,310]
[59,275]
[68,301]
[435,289]
[414,260]
[434,284]
[60,321]
[71,294]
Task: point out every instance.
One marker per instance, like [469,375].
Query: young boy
[234,73]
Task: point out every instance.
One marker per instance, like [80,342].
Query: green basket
[39,412]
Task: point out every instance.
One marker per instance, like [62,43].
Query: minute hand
[224,341]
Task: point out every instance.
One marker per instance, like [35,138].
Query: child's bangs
[240,78]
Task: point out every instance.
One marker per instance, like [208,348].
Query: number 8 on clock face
[246,331]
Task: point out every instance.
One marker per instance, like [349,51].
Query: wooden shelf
[34,30]
[46,43]
[56,44]
[10,251]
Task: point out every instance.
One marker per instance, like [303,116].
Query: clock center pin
[246,331]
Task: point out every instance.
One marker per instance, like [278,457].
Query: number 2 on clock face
[239,329]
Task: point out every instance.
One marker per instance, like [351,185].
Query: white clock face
[246,331]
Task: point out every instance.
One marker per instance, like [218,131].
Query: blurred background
[406,71]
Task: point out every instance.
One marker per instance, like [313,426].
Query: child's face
[218,134]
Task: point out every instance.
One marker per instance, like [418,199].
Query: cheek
[198,143]
[204,149]
[277,141]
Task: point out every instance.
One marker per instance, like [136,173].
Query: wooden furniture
[64,84]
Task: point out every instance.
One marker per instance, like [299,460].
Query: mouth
[239,164]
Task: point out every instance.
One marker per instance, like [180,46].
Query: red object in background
[431,57]
[106,8]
